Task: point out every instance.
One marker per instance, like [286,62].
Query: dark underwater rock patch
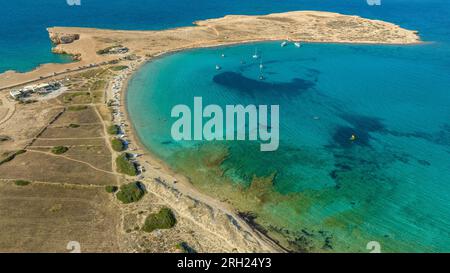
[364,123]
[248,86]
[424,162]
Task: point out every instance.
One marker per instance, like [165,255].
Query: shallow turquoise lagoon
[322,192]
[318,192]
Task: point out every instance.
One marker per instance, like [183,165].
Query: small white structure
[43,88]
[16,94]
[27,89]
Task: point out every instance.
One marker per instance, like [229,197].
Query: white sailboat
[283,44]
[256,56]
[218,67]
[297,44]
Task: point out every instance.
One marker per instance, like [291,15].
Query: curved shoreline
[304,26]
[187,188]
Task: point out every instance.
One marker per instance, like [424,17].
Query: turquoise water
[328,193]
[24,42]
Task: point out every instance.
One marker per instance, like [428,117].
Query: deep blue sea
[318,192]
[24,42]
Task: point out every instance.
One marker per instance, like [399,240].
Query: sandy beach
[169,182]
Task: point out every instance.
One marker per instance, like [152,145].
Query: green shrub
[102,51]
[19,152]
[113,129]
[105,50]
[111,189]
[22,182]
[12,156]
[117,145]
[77,107]
[131,192]
[26,101]
[59,150]
[4,138]
[125,166]
[100,84]
[119,67]
[164,219]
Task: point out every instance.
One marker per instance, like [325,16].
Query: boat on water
[255,56]
[297,44]
[283,44]
[223,55]
[218,67]
[353,138]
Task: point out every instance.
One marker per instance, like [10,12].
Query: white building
[16,94]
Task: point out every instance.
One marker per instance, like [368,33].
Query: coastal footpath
[72,192]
